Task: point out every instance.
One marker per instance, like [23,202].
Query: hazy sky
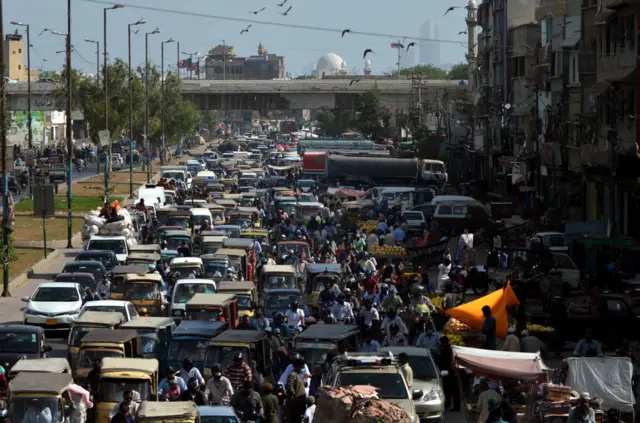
[199,32]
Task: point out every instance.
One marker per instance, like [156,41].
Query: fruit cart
[427,255]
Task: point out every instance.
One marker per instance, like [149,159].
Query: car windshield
[183,222]
[244,302]
[199,219]
[77,334]
[280,302]
[181,348]
[223,355]
[211,247]
[217,215]
[142,291]
[186,291]
[18,342]
[219,419]
[280,282]
[242,222]
[179,176]
[58,295]
[288,208]
[32,410]
[185,272]
[423,367]
[83,268]
[112,390]
[150,344]
[84,281]
[106,260]
[210,270]
[87,357]
[174,243]
[390,385]
[412,215]
[118,246]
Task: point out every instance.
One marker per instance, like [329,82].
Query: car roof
[75,274]
[410,351]
[195,281]
[109,335]
[216,411]
[20,328]
[48,365]
[95,253]
[58,285]
[167,410]
[185,260]
[148,322]
[328,332]
[106,303]
[235,285]
[278,268]
[100,317]
[198,327]
[239,335]
[40,382]
[145,365]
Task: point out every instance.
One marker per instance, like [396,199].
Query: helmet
[368,272]
[237,357]
[294,303]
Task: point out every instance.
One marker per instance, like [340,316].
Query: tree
[372,117]
[335,122]
[180,115]
[209,120]
[429,71]
[459,72]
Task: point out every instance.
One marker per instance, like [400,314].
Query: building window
[13,52]
[19,67]
[549,25]
[20,51]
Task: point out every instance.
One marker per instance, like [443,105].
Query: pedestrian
[587,346]
[532,344]
[511,341]
[310,411]
[218,389]
[193,393]
[247,402]
[489,328]
[296,394]
[405,369]
[270,403]
[94,375]
[445,358]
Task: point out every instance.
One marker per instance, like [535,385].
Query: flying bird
[282,4]
[345,31]
[564,25]
[411,44]
[245,30]
[462,32]
[255,12]
[136,31]
[287,11]
[367,51]
[352,81]
[452,8]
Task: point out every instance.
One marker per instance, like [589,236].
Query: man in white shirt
[218,390]
[368,313]
[104,289]
[310,411]
[305,374]
[467,238]
[342,309]
[188,371]
[295,316]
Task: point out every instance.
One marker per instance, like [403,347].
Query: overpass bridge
[244,99]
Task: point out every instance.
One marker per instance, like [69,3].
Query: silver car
[426,378]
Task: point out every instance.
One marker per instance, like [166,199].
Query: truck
[380,170]
[179,173]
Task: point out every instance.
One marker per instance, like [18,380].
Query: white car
[54,305]
[127,309]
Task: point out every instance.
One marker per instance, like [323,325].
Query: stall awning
[500,364]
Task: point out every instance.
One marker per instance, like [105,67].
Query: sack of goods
[92,225]
[121,225]
[347,404]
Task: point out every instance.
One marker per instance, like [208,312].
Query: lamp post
[138,22]
[146,103]
[105,84]
[5,193]
[170,40]
[97,43]
[29,119]
[69,131]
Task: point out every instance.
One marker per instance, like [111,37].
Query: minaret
[472,21]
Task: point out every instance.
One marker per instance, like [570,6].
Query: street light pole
[105,73]
[97,43]
[170,40]
[138,22]
[5,194]
[69,128]
[146,103]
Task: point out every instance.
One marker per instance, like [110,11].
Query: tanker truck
[385,170]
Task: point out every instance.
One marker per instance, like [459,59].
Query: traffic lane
[11,308]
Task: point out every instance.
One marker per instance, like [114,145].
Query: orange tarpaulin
[471,313]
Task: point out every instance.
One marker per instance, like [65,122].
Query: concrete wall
[520,12]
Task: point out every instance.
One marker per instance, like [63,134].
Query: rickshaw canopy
[32,382]
[119,364]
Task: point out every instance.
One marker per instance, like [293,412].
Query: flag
[188,64]
[181,64]
[196,68]
[396,45]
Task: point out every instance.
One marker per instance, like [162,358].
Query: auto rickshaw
[145,293]
[160,232]
[228,183]
[228,205]
[180,218]
[301,249]
[215,264]
[89,321]
[253,345]
[121,374]
[168,255]
[190,340]
[211,244]
[245,217]
[170,411]
[175,238]
[257,235]
[118,275]
[239,243]
[145,248]
[213,308]
[245,292]
[155,336]
[217,214]
[237,260]
[183,267]
[306,211]
[31,394]
[248,199]
[277,276]
[315,342]
[162,214]
[318,274]
[40,365]
[143,259]
[234,197]
[101,343]
[232,231]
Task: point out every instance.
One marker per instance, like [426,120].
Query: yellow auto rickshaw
[145,248]
[30,394]
[173,411]
[318,274]
[143,259]
[253,344]
[88,321]
[213,307]
[217,214]
[155,336]
[245,292]
[40,365]
[245,217]
[237,261]
[121,374]
[277,276]
[262,236]
[102,343]
[228,205]
[145,293]
[118,276]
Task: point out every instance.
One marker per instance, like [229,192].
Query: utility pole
[97,89]
[138,22]
[5,192]
[69,128]
[106,84]
[146,103]
[29,117]
[170,40]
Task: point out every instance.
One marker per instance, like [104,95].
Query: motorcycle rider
[351,299]
[393,318]
[392,301]
[342,309]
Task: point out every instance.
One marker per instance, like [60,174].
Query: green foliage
[180,115]
[13,254]
[335,122]
[459,72]
[372,117]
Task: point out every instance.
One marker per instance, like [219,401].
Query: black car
[18,341]
[13,184]
[106,257]
[96,268]
[86,280]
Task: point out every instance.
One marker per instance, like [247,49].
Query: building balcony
[616,68]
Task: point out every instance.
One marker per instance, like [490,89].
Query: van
[179,173]
[459,215]
[116,243]
[440,198]
[151,194]
[396,196]
[434,171]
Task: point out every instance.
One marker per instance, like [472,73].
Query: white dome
[330,64]
[472,3]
